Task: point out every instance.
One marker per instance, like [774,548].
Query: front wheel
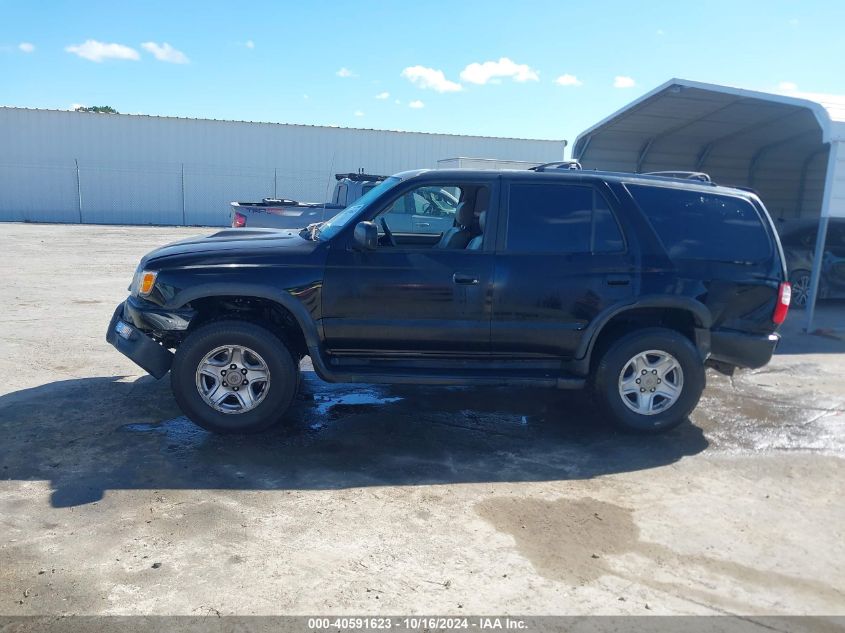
[650,380]
[233,377]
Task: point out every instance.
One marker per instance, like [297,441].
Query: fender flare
[702,319]
[303,318]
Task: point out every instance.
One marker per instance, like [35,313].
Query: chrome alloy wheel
[233,379]
[651,382]
[801,290]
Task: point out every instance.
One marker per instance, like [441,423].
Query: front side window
[698,225]
[554,218]
[428,209]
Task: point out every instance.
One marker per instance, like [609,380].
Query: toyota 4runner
[630,284]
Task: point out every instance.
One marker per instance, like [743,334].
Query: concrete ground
[394,500]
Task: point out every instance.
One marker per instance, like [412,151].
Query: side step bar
[457,378]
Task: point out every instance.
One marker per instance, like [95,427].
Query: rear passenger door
[561,259]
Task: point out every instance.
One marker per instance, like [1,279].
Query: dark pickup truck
[629,284]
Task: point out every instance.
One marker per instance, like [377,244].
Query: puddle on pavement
[745,415]
[180,432]
[358,401]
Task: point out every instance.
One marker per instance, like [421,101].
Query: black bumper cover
[140,348]
[742,350]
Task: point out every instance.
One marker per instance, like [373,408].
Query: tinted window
[606,235]
[560,219]
[695,225]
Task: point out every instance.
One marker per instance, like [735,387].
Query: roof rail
[359,176]
[681,175]
[561,164]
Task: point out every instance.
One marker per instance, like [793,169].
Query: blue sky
[539,69]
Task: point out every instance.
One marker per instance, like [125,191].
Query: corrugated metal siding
[158,170]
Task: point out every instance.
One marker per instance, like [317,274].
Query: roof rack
[561,164]
[359,176]
[681,175]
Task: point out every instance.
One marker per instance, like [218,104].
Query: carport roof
[692,111]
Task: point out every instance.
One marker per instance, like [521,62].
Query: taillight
[782,307]
[239,220]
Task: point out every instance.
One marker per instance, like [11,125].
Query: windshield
[330,228]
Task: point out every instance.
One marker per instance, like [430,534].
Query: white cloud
[477,73]
[74,106]
[621,81]
[568,80]
[398,102]
[416,105]
[95,51]
[430,78]
[358,113]
[26,47]
[382,95]
[788,86]
[661,32]
[249,44]
[165,53]
[794,22]
[345,72]
[306,97]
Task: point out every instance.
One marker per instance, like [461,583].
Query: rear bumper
[741,349]
[137,346]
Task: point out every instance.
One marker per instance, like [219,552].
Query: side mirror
[365,237]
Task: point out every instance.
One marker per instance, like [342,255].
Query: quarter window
[697,225]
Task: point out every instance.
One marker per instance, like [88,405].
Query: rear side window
[560,219]
[695,225]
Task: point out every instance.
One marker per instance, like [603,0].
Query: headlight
[144,282]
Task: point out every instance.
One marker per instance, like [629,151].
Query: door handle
[421,225]
[465,279]
[618,280]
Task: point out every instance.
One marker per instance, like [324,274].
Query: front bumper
[137,346]
[741,349]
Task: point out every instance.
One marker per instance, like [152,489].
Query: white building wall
[130,169]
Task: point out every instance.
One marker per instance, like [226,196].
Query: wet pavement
[90,435]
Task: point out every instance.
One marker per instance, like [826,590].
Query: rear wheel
[234,377]
[650,380]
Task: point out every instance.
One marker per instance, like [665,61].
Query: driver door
[408,296]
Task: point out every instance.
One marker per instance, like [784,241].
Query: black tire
[284,376]
[616,357]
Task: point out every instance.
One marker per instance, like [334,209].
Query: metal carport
[789,149]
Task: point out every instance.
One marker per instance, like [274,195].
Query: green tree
[98,109]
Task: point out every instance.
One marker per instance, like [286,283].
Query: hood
[231,245]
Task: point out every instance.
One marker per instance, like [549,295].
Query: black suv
[628,283]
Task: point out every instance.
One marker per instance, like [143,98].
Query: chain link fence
[168,193]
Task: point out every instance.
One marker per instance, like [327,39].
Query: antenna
[328,186]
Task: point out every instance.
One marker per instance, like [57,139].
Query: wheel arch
[686,315]
[204,296]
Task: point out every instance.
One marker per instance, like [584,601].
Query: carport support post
[821,236]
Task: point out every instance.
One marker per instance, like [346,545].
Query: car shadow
[89,435]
